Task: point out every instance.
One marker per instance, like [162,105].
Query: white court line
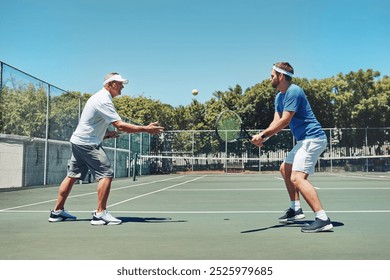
[226,190]
[204,212]
[146,183]
[26,205]
[278,189]
[352,189]
[153,192]
[367,177]
[85,194]
[185,182]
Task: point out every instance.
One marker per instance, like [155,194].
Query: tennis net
[165,164]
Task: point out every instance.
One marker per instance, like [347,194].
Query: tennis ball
[195,91]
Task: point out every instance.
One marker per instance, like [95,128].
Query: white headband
[116,77]
[280,70]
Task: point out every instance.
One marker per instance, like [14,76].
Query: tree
[356,99]
[351,92]
[64,115]
[142,110]
[320,96]
[24,111]
[257,105]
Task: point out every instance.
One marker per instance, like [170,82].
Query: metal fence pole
[135,166]
[45,166]
[80,108]
[259,156]
[331,149]
[226,152]
[193,147]
[366,152]
[129,157]
[1,75]
[115,156]
[140,151]
[1,96]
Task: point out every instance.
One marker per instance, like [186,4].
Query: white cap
[117,78]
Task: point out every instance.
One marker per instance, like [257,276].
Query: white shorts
[305,154]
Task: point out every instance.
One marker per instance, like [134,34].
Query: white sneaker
[60,215]
[104,218]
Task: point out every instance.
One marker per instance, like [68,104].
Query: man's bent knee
[297,177]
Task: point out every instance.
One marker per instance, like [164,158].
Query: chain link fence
[37,120]
[348,150]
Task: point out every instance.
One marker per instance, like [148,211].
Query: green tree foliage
[24,111]
[355,99]
[142,110]
[319,93]
[257,105]
[360,100]
[64,115]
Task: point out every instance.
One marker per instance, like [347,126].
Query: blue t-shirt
[303,124]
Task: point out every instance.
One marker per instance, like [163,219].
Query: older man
[88,153]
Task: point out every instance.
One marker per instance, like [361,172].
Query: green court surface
[200,217]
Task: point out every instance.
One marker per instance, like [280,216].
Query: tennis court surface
[199,217]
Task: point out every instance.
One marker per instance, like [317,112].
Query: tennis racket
[230,128]
[111,134]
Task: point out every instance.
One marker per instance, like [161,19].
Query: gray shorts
[89,157]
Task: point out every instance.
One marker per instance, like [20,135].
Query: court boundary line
[282,189]
[10,209]
[207,190]
[156,191]
[182,190]
[202,212]
[90,193]
[365,177]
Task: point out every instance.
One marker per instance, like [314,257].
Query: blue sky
[168,47]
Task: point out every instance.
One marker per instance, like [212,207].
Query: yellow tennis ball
[195,91]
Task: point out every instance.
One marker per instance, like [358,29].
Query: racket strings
[229,126]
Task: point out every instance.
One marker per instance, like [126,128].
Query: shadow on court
[295,224]
[149,220]
[137,220]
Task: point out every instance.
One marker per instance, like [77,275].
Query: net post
[226,152]
[135,166]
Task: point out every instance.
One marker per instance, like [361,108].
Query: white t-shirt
[98,113]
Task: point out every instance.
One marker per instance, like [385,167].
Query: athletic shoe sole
[327,227]
[54,220]
[60,218]
[101,222]
[104,223]
[291,220]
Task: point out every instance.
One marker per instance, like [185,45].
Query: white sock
[321,215]
[295,204]
[98,214]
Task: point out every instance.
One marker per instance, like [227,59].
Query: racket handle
[265,138]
